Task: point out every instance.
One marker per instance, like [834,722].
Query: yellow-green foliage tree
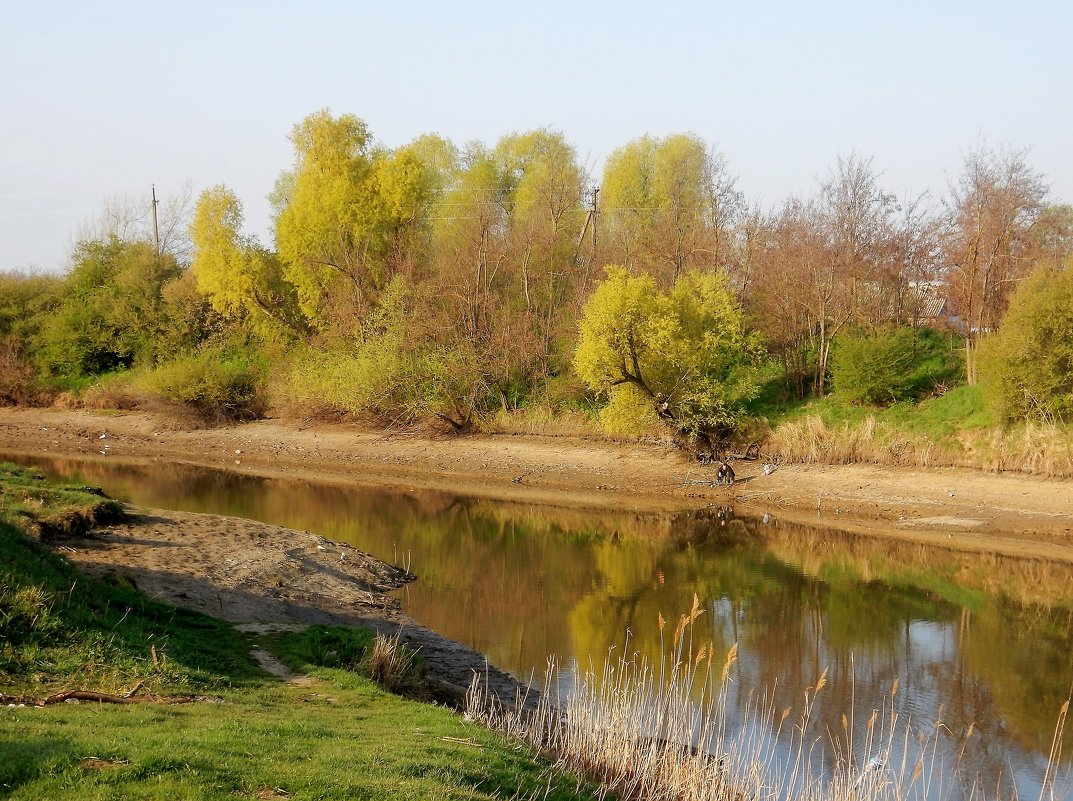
[669,205]
[1026,367]
[503,278]
[682,356]
[546,183]
[243,281]
[348,217]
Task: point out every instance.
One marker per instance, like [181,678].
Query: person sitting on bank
[725,474]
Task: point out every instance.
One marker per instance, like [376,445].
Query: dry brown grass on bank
[1036,449]
[541,420]
[1039,449]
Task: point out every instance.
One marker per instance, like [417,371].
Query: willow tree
[668,206]
[504,244]
[681,356]
[346,216]
[545,215]
[243,281]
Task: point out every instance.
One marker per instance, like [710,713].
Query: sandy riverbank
[266,578]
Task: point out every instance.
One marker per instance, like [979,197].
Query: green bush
[216,385]
[899,364]
[109,311]
[1026,367]
[361,380]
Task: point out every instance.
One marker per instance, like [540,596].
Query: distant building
[928,305]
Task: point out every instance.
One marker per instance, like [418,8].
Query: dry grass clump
[1044,449]
[662,731]
[115,392]
[391,664]
[543,420]
[1034,448]
[812,440]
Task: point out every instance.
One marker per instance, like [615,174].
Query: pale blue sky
[104,98]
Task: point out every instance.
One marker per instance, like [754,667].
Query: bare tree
[991,209]
[1051,237]
[794,289]
[818,266]
[129,218]
[918,256]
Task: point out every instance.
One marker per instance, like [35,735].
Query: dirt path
[1014,514]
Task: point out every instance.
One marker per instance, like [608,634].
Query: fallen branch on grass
[90,695]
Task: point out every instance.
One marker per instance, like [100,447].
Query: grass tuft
[391,664]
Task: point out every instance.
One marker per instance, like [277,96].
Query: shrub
[627,413]
[19,384]
[110,310]
[215,385]
[348,382]
[1026,367]
[893,365]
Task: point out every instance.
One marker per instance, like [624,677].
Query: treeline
[431,281]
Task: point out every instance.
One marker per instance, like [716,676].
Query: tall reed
[662,731]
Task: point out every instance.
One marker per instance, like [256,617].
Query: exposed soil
[266,575]
[267,578]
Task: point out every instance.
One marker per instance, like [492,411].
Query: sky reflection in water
[986,639]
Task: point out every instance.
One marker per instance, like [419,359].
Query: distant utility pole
[156,230]
[590,219]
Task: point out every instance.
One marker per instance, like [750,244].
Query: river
[967,639]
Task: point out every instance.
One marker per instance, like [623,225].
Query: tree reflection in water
[980,639]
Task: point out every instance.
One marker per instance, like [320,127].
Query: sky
[101,100]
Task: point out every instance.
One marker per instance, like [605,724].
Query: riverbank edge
[957,508]
[265,579]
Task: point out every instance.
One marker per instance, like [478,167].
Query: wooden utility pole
[156,230]
[590,220]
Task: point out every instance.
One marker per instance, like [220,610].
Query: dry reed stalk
[661,731]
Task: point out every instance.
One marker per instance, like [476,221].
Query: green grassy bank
[245,734]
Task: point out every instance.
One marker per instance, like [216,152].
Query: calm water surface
[982,640]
